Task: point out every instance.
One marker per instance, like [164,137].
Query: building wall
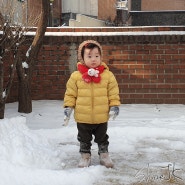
[103,10]
[87,7]
[149,68]
[134,5]
[156,12]
[13,11]
[107,9]
[57,12]
[158,18]
[34,10]
[85,21]
[154,5]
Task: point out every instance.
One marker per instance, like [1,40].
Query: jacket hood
[83,44]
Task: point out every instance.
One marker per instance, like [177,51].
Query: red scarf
[91,74]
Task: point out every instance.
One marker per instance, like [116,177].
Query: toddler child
[92,91]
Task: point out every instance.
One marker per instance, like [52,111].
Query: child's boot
[105,160]
[85,160]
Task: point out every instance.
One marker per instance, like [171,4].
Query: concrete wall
[157,18]
[88,7]
[85,21]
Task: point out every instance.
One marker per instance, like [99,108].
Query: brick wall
[148,62]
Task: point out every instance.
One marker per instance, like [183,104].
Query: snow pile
[28,158]
[20,146]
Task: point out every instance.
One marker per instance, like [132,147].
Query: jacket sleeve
[71,92]
[113,91]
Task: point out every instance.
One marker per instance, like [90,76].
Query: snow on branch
[25,65]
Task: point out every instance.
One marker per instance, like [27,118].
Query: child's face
[92,57]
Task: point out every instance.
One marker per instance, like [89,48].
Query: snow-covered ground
[147,145]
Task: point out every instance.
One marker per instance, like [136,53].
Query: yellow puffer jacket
[92,101]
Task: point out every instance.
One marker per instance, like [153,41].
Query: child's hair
[89,46]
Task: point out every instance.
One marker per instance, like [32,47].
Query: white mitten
[67,114]
[114,112]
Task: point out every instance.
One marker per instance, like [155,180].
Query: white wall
[88,7]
